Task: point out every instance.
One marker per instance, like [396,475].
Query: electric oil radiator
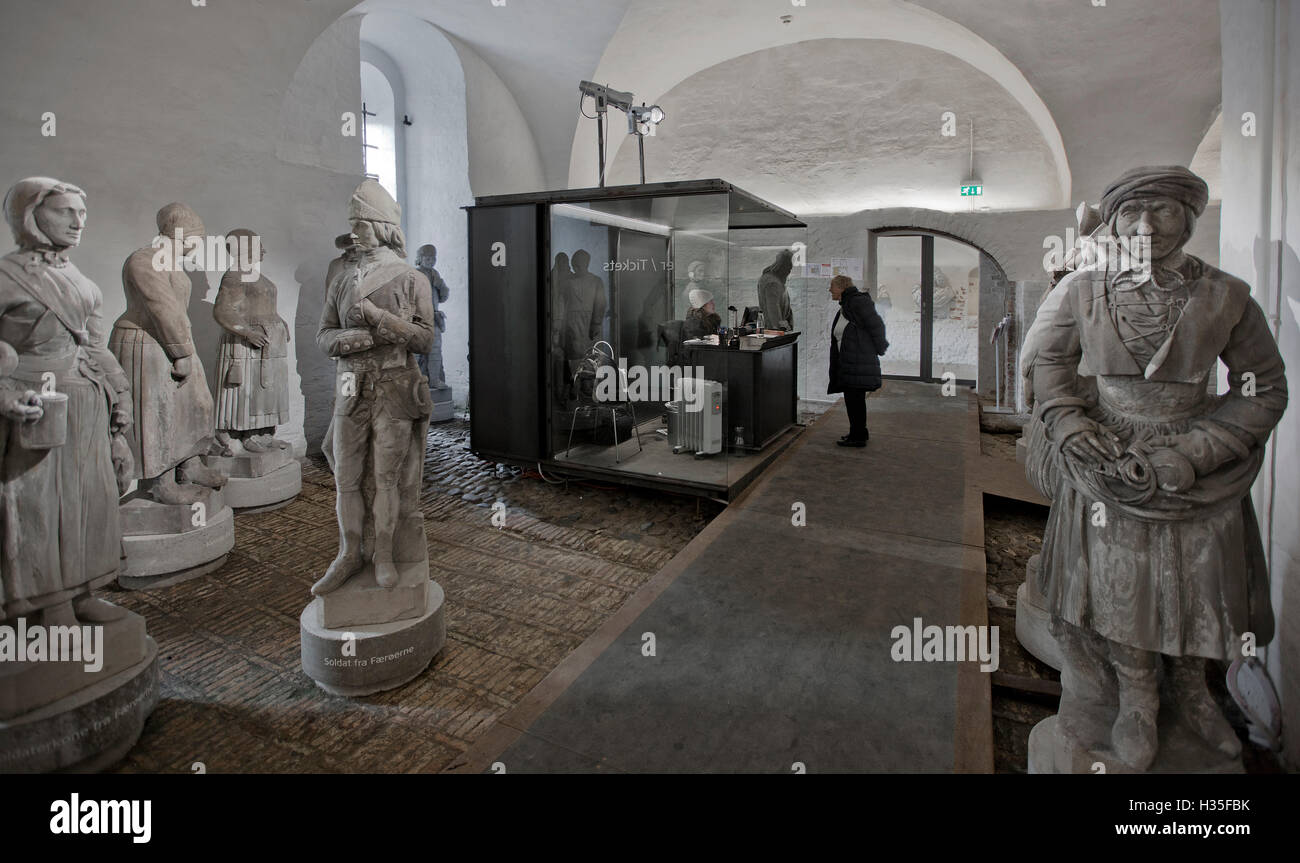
[698,431]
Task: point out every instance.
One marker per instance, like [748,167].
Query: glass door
[898,299]
[927,292]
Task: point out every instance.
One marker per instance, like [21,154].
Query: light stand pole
[640,144]
[601,108]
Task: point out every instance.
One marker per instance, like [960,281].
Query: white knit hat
[699,298]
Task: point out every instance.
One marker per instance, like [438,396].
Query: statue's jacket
[172,419]
[59,530]
[381,358]
[252,382]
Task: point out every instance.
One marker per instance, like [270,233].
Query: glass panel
[956,309]
[643,375]
[766,279]
[617,295]
[898,300]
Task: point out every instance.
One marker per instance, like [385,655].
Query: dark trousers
[855,402]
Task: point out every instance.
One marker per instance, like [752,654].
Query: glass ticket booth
[640,334]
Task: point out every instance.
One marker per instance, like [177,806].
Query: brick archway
[962,227]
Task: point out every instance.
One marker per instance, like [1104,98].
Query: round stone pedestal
[1032,628]
[364,659]
[89,730]
[163,559]
[1052,751]
[261,493]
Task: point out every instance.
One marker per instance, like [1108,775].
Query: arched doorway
[928,288]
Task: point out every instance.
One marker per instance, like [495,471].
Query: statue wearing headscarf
[1152,560]
[60,536]
[378,318]
[155,346]
[252,362]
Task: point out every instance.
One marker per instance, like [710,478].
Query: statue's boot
[193,470]
[165,489]
[1133,736]
[226,445]
[1196,705]
[88,609]
[351,508]
[256,443]
[387,505]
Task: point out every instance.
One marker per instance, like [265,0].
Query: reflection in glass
[898,300]
[956,309]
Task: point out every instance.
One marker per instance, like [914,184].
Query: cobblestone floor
[519,599]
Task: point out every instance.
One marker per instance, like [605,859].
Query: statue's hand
[1193,447]
[123,463]
[255,336]
[180,369]
[371,313]
[1174,473]
[26,408]
[121,418]
[1094,447]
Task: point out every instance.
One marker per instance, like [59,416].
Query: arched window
[379,128]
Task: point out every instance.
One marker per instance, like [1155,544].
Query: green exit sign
[972,191]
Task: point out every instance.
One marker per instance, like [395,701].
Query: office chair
[584,383]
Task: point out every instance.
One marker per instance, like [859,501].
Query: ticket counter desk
[761,398]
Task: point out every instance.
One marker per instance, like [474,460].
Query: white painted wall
[1260,242]
[436,184]
[503,153]
[147,116]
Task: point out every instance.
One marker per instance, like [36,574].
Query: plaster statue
[378,318]
[65,406]
[431,363]
[694,282]
[153,342]
[584,310]
[773,298]
[252,363]
[52,327]
[944,295]
[1152,561]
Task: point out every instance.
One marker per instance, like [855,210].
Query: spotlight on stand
[641,119]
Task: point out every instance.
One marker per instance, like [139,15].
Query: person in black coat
[857,343]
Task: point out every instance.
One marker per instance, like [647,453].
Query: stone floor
[519,600]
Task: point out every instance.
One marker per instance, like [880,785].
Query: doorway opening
[927,290]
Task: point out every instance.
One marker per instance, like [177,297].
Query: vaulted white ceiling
[842,125]
[1077,92]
